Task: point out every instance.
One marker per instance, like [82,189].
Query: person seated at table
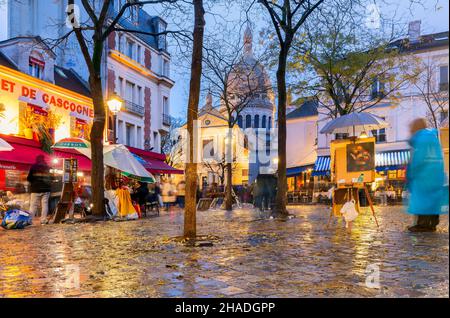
[140,193]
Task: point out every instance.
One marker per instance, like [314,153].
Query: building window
[165,68]
[130,92]
[139,54]
[248,121]
[443,78]
[340,136]
[139,137]
[162,45]
[269,124]
[239,121]
[208,148]
[165,105]
[380,135]
[256,121]
[139,96]
[36,67]
[263,122]
[120,43]
[130,49]
[377,89]
[120,89]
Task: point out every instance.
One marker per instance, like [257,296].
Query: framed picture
[360,156]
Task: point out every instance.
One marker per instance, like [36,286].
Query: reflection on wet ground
[253,257]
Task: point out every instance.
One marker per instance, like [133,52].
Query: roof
[37,39]
[307,109]
[70,80]
[5,61]
[427,41]
[145,23]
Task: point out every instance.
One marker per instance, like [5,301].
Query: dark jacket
[140,194]
[40,178]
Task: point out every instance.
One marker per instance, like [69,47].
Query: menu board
[12,177]
[70,170]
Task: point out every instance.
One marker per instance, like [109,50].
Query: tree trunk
[190,226]
[97,174]
[228,196]
[282,98]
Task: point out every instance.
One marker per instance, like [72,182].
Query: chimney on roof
[414,31]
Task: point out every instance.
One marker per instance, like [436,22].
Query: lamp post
[114,105]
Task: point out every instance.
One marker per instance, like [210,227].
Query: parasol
[4,146]
[342,124]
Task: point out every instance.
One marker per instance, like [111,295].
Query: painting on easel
[360,156]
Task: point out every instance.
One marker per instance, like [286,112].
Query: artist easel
[349,181]
[352,193]
[65,204]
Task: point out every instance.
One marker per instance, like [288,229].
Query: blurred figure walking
[40,187]
[425,178]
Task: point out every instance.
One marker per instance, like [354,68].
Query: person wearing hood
[425,178]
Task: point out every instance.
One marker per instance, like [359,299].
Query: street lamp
[114,105]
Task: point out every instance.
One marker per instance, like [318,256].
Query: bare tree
[232,72]
[434,94]
[349,68]
[190,224]
[220,167]
[91,36]
[286,16]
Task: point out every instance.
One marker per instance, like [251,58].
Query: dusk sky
[434,15]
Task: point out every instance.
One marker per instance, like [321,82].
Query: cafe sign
[38,96]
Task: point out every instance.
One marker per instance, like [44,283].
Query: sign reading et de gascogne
[39,95]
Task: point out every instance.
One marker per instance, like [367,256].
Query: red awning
[155,162]
[25,152]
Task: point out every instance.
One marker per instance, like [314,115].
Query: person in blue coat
[426,178]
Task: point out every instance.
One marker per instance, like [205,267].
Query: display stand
[65,204]
[352,167]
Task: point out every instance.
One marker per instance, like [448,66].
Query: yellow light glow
[115,104]
[363,135]
[276,161]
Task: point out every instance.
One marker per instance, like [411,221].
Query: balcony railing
[167,121]
[134,108]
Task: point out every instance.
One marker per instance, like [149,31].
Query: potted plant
[29,122]
[53,122]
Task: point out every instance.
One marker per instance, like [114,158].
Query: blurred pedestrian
[425,178]
[40,187]
[181,192]
[168,191]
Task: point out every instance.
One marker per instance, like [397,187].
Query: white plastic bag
[349,212]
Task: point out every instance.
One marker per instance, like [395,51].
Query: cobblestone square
[251,257]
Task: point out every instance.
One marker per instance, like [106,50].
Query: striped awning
[386,160]
[322,166]
[392,160]
[297,170]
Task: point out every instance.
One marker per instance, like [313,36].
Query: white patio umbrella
[343,124]
[4,146]
[119,157]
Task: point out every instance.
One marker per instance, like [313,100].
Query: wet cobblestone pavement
[253,257]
